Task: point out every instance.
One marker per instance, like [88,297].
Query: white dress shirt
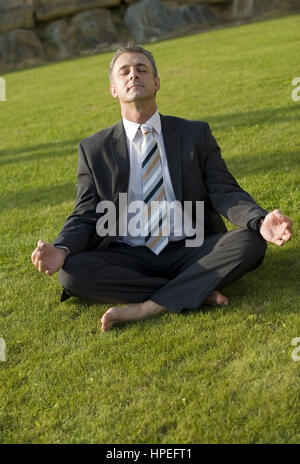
[134,139]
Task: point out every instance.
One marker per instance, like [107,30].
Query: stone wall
[36,31]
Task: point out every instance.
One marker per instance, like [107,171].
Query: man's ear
[157,83]
[113,90]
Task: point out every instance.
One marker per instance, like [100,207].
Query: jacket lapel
[121,158]
[173,147]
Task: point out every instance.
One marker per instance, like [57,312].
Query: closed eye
[140,68]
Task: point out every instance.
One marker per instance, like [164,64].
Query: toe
[107,320]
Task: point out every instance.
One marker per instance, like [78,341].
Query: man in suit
[158,160]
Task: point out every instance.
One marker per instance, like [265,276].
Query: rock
[65,28]
[151,19]
[194,2]
[46,10]
[16,14]
[245,9]
[242,9]
[212,2]
[93,28]
[85,31]
[273,7]
[19,45]
[58,38]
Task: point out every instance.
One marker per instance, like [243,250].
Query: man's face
[133,79]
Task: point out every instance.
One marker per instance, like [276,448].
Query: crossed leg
[135,276]
[136,311]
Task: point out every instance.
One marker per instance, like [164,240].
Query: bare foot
[216,298]
[130,312]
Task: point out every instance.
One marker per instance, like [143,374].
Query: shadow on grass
[40,196]
[276,280]
[264,117]
[38,152]
[247,166]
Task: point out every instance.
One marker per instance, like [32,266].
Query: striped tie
[155,218]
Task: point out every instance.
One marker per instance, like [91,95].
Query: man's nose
[133,73]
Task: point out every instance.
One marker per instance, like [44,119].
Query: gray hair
[131,47]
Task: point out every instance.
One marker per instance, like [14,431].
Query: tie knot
[146,128]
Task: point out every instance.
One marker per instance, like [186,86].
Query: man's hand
[276,228]
[47,258]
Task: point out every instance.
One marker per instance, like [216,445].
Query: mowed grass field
[207,376]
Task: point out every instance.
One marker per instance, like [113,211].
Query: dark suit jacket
[197,171]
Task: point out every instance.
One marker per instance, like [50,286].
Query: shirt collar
[131,128]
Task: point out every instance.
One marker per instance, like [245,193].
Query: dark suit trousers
[179,277]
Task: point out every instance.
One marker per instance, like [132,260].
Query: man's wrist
[255,224]
[258,223]
[64,249]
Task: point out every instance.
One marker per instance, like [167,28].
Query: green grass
[212,375]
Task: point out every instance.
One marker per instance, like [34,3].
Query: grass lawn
[205,376]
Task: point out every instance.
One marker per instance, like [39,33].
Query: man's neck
[138,115]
